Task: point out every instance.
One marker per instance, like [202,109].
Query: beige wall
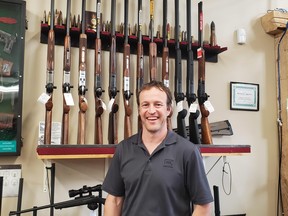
[254,176]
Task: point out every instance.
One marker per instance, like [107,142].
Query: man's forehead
[153,93]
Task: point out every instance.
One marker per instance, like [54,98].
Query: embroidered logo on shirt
[168,163]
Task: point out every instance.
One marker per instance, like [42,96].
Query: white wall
[254,176]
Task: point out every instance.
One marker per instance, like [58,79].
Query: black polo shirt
[163,183]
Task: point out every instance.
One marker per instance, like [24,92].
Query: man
[156,172]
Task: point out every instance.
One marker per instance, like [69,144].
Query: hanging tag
[199,53]
[44,97]
[208,106]
[179,106]
[103,104]
[110,104]
[193,108]
[69,99]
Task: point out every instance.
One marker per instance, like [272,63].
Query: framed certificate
[244,96]
[12,39]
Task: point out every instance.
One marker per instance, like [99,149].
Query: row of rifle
[113,107]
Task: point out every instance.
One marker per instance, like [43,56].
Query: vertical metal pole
[216,200]
[1,193]
[100,204]
[20,192]
[52,189]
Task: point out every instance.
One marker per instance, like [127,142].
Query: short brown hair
[159,85]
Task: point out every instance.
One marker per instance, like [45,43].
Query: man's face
[153,110]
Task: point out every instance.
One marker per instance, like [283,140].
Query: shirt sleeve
[196,179]
[113,182]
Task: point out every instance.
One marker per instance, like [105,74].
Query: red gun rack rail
[107,151]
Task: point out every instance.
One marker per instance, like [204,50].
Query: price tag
[44,97]
[199,53]
[208,106]
[179,106]
[193,108]
[103,104]
[69,99]
[110,104]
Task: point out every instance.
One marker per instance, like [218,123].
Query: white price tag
[110,104]
[69,99]
[103,105]
[193,108]
[208,106]
[179,106]
[44,97]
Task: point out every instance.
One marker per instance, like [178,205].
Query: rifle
[194,136]
[99,105]
[113,107]
[152,45]
[202,95]
[126,78]
[66,77]
[83,106]
[165,56]
[50,79]
[140,56]
[179,95]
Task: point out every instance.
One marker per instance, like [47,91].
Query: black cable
[230,178]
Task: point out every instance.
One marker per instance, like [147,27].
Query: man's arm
[113,205]
[201,210]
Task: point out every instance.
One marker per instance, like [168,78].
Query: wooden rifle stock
[83,106]
[98,136]
[126,77]
[50,79]
[165,57]
[152,45]
[112,127]
[140,56]
[202,95]
[66,78]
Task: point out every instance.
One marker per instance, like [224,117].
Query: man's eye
[159,105]
[144,105]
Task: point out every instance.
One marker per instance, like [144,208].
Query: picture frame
[244,96]
[12,43]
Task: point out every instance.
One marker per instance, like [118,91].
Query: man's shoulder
[181,144]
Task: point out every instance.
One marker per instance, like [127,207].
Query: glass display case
[12,39]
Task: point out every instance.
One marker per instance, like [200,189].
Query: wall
[254,176]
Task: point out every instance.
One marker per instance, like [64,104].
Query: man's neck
[152,140]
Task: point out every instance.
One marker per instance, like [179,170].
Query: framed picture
[12,39]
[244,96]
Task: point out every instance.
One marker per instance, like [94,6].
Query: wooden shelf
[107,151]
[211,52]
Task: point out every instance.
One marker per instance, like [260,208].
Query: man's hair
[159,85]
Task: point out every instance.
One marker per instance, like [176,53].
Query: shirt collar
[170,139]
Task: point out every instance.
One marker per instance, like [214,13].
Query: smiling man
[156,172]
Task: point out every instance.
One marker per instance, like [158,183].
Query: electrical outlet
[11,176]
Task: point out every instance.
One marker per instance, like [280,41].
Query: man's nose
[151,109]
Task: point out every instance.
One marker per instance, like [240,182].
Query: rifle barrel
[112,127]
[126,76]
[83,106]
[190,95]
[202,95]
[50,78]
[99,109]
[179,95]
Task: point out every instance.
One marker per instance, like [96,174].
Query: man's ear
[170,111]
